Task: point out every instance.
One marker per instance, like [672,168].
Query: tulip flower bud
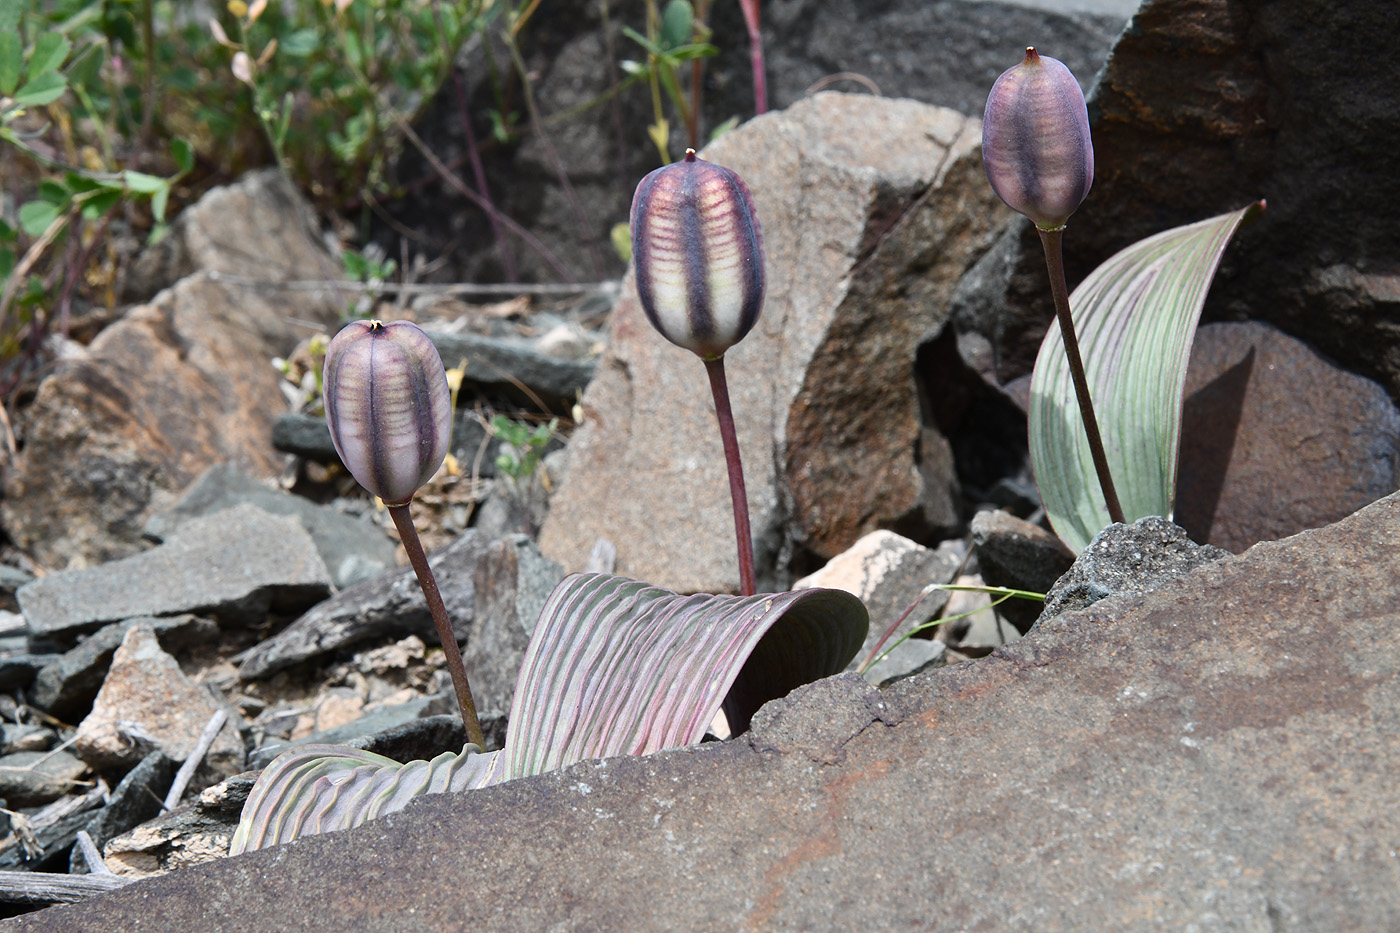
[699,255]
[388,406]
[1035,141]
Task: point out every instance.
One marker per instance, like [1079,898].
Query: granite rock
[1126,560]
[148,703]
[871,210]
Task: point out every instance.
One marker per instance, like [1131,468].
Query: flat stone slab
[235,564]
[1218,754]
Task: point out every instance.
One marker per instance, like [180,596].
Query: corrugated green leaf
[1135,316]
[322,788]
[618,667]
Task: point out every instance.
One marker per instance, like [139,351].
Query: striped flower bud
[699,255]
[1035,141]
[388,406]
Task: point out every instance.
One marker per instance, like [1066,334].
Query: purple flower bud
[388,406]
[1035,141]
[699,255]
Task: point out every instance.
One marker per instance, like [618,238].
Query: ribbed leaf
[321,788]
[614,667]
[618,667]
[1135,317]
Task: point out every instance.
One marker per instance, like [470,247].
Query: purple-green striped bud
[1035,141]
[698,250]
[388,406]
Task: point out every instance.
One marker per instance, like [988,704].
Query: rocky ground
[1188,735]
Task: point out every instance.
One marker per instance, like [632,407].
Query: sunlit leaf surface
[1136,317]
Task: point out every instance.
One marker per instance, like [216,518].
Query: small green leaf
[301,43]
[677,24]
[141,183]
[158,202]
[36,216]
[651,47]
[11,60]
[96,205]
[1135,317]
[86,66]
[55,192]
[50,50]
[183,154]
[44,89]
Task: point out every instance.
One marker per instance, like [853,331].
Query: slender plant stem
[403,521]
[1052,241]
[760,79]
[737,495]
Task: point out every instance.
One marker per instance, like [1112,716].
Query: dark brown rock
[1217,753]
[871,210]
[1014,553]
[1206,105]
[1276,439]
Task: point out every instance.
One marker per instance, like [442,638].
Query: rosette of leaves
[614,667]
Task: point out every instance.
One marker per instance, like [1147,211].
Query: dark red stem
[760,80]
[1052,240]
[403,521]
[737,495]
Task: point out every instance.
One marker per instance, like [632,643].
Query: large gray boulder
[1217,754]
[871,211]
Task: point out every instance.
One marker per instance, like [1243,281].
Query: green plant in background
[674,37]
[334,83]
[522,447]
[1137,312]
[54,69]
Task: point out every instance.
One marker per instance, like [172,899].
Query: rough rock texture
[135,800]
[1276,439]
[148,702]
[353,549]
[389,606]
[1013,552]
[1127,560]
[871,210]
[1218,754]
[513,580]
[888,572]
[941,52]
[66,686]
[236,564]
[29,779]
[175,385]
[1206,105]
